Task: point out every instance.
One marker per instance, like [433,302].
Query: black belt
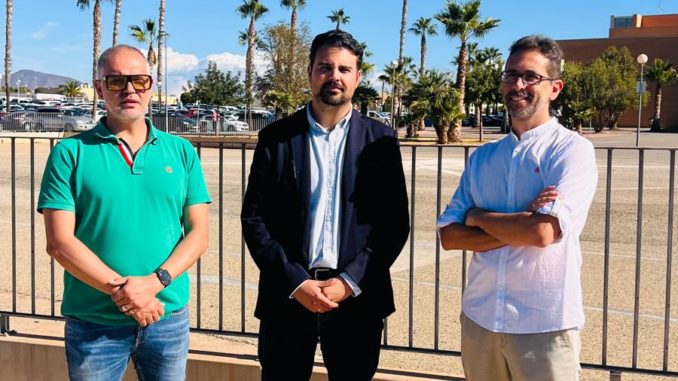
[323,273]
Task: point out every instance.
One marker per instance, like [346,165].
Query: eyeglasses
[529,78]
[119,82]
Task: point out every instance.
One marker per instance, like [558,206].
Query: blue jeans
[99,352]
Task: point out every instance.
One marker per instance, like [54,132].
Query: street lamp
[642,60]
[18,90]
[164,40]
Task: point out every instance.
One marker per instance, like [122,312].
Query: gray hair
[546,46]
[106,55]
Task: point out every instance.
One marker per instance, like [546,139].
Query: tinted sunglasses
[119,82]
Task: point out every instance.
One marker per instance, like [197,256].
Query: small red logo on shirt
[537,170]
[168,169]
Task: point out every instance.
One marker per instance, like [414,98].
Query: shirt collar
[541,129]
[315,126]
[102,132]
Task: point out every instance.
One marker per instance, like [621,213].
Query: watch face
[164,277]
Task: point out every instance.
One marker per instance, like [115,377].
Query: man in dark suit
[324,217]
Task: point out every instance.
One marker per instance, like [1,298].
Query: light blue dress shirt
[327,149]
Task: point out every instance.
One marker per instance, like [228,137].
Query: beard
[521,112]
[331,99]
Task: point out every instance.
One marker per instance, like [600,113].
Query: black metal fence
[627,247]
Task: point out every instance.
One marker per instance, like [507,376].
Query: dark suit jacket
[374,215]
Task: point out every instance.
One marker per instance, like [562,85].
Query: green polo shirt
[132,218]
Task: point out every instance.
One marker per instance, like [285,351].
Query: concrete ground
[221,269]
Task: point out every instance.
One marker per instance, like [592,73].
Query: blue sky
[55,36]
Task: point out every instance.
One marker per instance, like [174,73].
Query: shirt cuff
[295,290]
[558,210]
[354,286]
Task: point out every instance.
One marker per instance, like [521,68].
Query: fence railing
[627,255]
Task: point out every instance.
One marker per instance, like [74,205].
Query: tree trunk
[422,60]
[249,70]
[116,22]
[441,132]
[454,133]
[403,22]
[455,130]
[656,118]
[479,121]
[161,51]
[8,51]
[96,17]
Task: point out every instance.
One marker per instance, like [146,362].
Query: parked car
[377,115]
[234,126]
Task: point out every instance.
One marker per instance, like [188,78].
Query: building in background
[654,35]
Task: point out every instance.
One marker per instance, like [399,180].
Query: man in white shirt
[521,205]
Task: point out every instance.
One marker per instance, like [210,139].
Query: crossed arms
[485,230]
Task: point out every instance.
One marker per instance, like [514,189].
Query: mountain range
[34,79]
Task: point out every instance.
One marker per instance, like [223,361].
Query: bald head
[105,57]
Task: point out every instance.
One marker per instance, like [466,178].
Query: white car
[235,126]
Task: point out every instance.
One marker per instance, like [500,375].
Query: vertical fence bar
[463,252]
[606,266]
[32,214]
[413,193]
[639,239]
[243,181]
[669,258]
[221,236]
[439,191]
[198,273]
[13,185]
[52,280]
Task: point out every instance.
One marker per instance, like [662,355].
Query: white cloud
[181,62]
[184,67]
[44,30]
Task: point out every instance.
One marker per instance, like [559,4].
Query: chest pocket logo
[168,169]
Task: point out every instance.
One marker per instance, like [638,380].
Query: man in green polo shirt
[125,209]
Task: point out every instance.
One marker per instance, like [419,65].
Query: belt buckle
[318,271]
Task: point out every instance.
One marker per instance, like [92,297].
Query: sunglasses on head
[119,82]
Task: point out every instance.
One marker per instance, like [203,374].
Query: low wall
[30,359]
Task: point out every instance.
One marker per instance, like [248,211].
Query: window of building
[623,22]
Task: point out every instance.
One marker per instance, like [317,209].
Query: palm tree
[71,89]
[463,21]
[116,21]
[96,36]
[161,38]
[8,49]
[338,16]
[403,25]
[293,5]
[434,96]
[662,74]
[146,33]
[423,27]
[254,10]
[398,75]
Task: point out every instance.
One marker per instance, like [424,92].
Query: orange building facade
[657,37]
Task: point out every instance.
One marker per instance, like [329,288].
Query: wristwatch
[163,276]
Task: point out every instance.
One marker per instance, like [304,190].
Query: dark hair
[339,39]
[546,46]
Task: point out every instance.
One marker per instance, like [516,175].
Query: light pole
[164,40]
[18,90]
[642,60]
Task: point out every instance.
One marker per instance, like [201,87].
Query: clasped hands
[319,296]
[135,297]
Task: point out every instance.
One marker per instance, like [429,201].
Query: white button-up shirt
[528,289]
[327,161]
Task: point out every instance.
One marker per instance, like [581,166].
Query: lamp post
[164,40]
[18,91]
[642,60]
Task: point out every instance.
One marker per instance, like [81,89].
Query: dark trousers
[349,344]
